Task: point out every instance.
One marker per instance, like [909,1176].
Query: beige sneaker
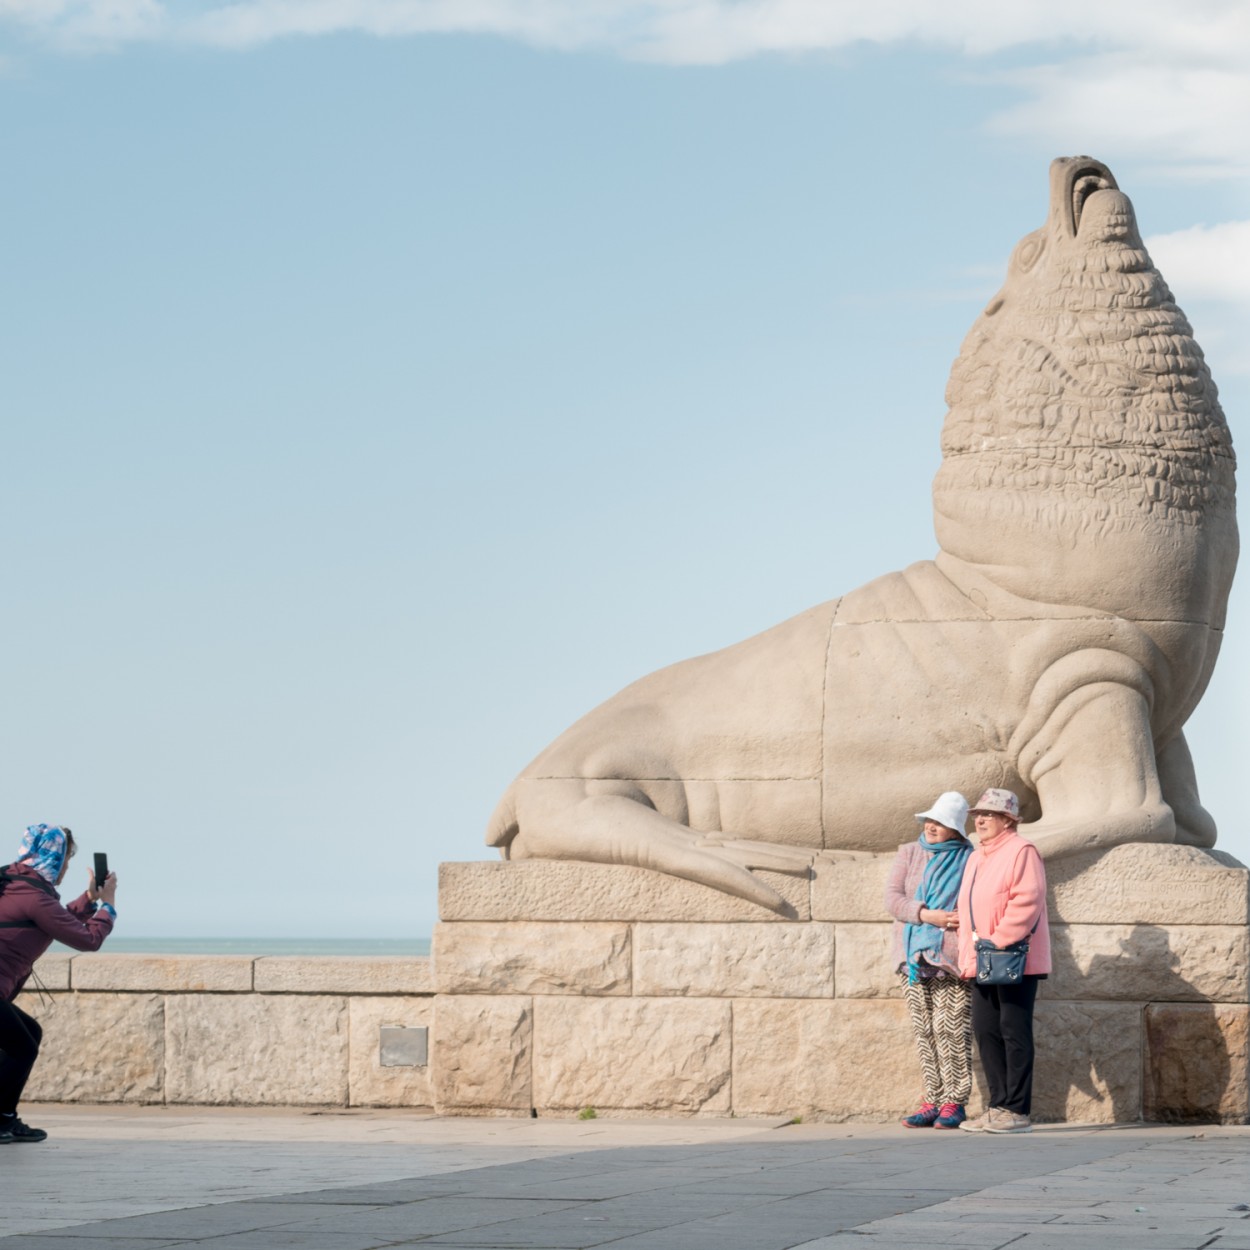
[982,1122]
[1009,1122]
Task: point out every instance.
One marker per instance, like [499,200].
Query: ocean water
[122,945]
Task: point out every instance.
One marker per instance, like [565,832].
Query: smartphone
[101,869]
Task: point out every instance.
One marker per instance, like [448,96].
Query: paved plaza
[244,1179]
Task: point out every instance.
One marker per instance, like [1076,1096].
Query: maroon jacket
[32,918]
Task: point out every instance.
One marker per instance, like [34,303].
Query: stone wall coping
[1139,883]
[99,971]
[553,889]
[344,974]
[52,971]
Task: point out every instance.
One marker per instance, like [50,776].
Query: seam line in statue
[824,717]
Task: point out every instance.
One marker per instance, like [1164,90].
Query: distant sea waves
[122,945]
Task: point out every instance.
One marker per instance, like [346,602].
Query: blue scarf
[43,848]
[938,891]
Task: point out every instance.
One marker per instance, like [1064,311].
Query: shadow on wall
[1124,1036]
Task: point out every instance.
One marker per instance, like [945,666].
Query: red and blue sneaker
[952,1115]
[924,1118]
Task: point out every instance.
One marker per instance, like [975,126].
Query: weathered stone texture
[846,887]
[839,1059]
[727,960]
[1088,1065]
[98,1048]
[1143,883]
[1145,963]
[259,1049]
[481,1052]
[346,974]
[532,957]
[369,1083]
[864,966]
[536,889]
[638,1054]
[176,973]
[1197,1062]
[52,971]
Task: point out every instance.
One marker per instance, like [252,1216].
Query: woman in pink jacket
[1003,901]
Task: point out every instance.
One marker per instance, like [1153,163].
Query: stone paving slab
[431,1217]
[238,1180]
[128,1161]
[1172,1190]
[56,1241]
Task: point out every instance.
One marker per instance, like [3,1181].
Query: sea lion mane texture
[1084,511]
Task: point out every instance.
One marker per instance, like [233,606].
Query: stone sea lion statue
[1084,511]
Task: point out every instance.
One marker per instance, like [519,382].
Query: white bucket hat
[951,810]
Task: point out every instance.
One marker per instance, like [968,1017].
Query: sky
[388,382]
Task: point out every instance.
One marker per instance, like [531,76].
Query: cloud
[1181,116]
[1149,78]
[1205,262]
[87,25]
[680,31]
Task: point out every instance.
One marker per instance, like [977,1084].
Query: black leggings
[19,1048]
[1002,1019]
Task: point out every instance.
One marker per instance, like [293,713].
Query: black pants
[1002,1019]
[19,1048]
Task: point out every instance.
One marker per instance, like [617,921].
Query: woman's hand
[108,891]
[939,919]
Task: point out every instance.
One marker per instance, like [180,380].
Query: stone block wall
[557,986]
[227,1030]
[567,985]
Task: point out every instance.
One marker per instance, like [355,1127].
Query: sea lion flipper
[562,820]
[1195,826]
[773,856]
[1092,762]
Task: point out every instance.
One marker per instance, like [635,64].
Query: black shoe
[14,1130]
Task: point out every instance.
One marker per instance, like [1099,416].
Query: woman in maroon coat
[31,919]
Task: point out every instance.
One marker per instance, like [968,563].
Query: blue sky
[385,384]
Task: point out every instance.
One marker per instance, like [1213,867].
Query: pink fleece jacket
[1008,895]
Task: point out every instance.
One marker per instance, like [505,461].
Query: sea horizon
[414,947]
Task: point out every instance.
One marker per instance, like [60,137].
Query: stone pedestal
[565,985]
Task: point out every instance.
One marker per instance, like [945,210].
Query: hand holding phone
[101,870]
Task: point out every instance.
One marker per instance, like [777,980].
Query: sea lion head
[1086,460]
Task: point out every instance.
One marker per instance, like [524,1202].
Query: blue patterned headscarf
[44,848]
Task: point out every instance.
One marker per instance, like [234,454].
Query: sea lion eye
[1028,252]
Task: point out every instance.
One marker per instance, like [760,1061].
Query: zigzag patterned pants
[941,1022]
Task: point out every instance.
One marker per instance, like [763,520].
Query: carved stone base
[566,985]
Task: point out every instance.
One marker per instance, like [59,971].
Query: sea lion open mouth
[1081,178]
